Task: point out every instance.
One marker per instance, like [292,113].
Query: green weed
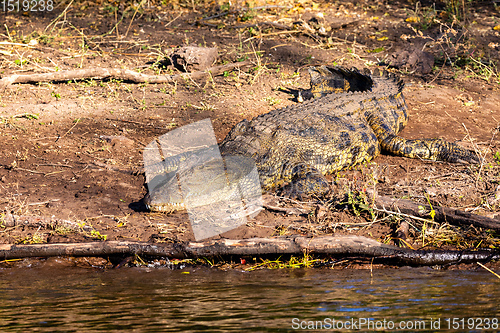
[305,262]
[272,100]
[496,156]
[97,235]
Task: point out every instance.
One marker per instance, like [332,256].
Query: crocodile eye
[401,126]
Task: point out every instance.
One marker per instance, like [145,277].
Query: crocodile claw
[453,153]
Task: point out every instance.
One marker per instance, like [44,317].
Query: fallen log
[324,245]
[115,73]
[442,214]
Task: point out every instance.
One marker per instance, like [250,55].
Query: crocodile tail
[387,82]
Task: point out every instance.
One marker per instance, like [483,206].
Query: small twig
[489,270]
[62,136]
[169,23]
[118,169]
[21,115]
[114,27]
[43,202]
[55,165]
[53,173]
[116,24]
[214,16]
[137,123]
[439,176]
[267,7]
[258,24]
[476,149]
[242,10]
[132,20]
[286,210]
[15,44]
[28,170]
[63,13]
[273,33]
[438,73]
[383,210]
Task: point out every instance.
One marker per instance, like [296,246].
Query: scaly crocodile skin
[352,117]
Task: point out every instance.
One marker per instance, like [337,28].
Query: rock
[414,60]
[118,141]
[194,58]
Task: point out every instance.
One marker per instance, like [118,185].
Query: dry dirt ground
[73,150]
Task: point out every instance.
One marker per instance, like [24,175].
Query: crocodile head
[206,184]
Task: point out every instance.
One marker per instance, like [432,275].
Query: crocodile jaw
[162,206]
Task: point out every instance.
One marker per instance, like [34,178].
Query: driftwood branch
[116,73]
[325,245]
[443,214]
[409,208]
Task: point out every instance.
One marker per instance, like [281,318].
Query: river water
[203,299]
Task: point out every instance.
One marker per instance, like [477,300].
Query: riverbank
[72,150]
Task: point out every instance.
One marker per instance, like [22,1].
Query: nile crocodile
[350,118]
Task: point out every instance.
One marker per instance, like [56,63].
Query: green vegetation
[305,262]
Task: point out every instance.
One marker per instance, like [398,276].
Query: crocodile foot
[453,153]
[306,182]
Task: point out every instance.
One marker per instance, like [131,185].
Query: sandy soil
[73,150]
